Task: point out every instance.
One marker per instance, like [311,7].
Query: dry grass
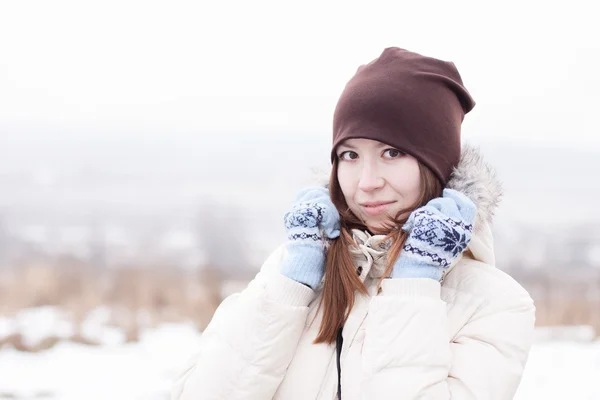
[145,297]
[565,297]
[138,297]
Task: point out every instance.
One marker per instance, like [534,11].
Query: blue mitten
[311,222]
[439,232]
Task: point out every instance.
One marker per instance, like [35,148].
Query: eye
[348,155]
[393,153]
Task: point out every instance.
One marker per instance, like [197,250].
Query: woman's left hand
[438,234]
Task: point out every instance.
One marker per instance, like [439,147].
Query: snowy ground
[557,369]
[562,370]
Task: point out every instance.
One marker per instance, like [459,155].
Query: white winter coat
[467,338]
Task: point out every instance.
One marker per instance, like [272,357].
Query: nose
[370,179]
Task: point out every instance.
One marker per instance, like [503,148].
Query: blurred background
[148,151]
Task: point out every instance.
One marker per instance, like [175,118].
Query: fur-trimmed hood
[478,181]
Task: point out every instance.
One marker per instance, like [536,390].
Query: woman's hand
[439,232]
[312,221]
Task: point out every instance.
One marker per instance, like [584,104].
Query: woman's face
[377,180]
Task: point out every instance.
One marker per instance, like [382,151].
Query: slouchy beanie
[409,101]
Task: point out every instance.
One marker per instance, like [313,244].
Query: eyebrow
[349,146]
[378,145]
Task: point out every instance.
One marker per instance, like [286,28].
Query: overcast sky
[202,66]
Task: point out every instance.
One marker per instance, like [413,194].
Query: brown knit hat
[409,101]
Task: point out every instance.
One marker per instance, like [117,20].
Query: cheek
[347,184]
[408,183]
[413,183]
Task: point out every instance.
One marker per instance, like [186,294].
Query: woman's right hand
[311,222]
[313,215]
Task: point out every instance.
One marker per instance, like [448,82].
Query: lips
[376,207]
[375,203]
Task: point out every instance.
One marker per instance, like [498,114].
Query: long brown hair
[341,277]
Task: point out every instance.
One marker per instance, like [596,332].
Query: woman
[386,287]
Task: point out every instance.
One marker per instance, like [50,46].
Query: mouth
[376,207]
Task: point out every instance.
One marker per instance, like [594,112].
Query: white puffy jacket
[467,338]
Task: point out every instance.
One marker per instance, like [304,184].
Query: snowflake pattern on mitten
[311,224]
[436,238]
[302,223]
[439,233]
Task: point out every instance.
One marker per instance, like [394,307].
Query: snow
[35,324]
[562,370]
[70,371]
[559,366]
